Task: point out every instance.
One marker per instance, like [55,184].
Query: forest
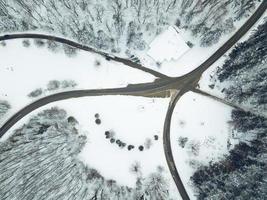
[245,71]
[123,26]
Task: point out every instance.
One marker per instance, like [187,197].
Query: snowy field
[168,46]
[182,62]
[23,70]
[133,120]
[200,131]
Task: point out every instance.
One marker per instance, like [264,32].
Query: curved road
[181,84]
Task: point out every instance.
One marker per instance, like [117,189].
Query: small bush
[36,93]
[68,84]
[4,107]
[70,51]
[26,43]
[52,46]
[148,143]
[158,64]
[193,147]
[72,120]
[107,133]
[3,43]
[97,63]
[39,43]
[178,23]
[156,137]
[53,85]
[160,169]
[190,44]
[135,168]
[211,86]
[130,147]
[182,141]
[93,174]
[118,141]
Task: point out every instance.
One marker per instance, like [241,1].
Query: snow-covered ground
[204,122]
[23,70]
[190,59]
[132,120]
[168,46]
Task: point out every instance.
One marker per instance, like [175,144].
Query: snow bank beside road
[168,46]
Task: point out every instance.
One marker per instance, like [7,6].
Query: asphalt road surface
[181,84]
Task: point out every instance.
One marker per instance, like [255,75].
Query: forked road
[182,84]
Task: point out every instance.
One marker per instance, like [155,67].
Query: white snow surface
[168,46]
[132,119]
[23,70]
[204,121]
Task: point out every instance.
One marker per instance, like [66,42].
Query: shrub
[39,42]
[52,46]
[98,121]
[135,168]
[156,137]
[93,174]
[97,63]
[148,143]
[130,147]
[190,44]
[37,92]
[26,43]
[70,51]
[3,43]
[182,141]
[68,84]
[4,107]
[72,120]
[194,147]
[53,85]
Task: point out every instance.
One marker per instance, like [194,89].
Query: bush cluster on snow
[53,85]
[110,135]
[3,43]
[4,107]
[52,46]
[26,43]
